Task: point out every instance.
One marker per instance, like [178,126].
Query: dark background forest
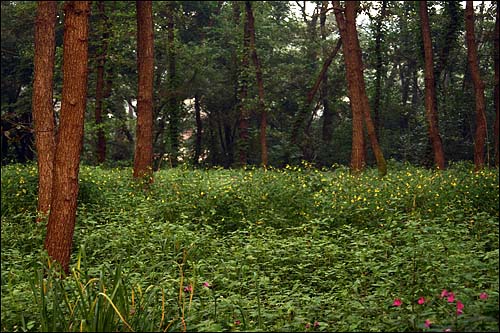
[198,47]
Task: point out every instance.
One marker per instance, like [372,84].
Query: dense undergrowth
[294,249]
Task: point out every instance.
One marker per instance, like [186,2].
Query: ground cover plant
[292,249]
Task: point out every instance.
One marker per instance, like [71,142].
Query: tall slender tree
[172,85]
[61,225]
[480,136]
[143,157]
[496,92]
[430,89]
[242,80]
[101,56]
[260,83]
[326,134]
[43,113]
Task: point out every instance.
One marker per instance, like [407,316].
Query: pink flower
[451,297]
[427,323]
[397,302]
[237,322]
[460,307]
[444,293]
[421,300]
[447,330]
[188,288]
[207,285]
[316,324]
[308,325]
[483,296]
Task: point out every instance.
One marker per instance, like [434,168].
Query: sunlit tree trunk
[43,113]
[430,90]
[480,137]
[143,158]
[100,93]
[260,83]
[62,216]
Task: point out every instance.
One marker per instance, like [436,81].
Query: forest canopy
[202,84]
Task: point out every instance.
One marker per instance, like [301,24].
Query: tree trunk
[199,129]
[496,92]
[143,157]
[62,216]
[379,66]
[243,89]
[480,137]
[357,154]
[326,133]
[43,113]
[99,92]
[430,90]
[173,107]
[260,83]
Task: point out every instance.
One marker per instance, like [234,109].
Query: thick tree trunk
[43,113]
[99,92]
[430,90]
[350,17]
[260,83]
[357,153]
[496,92]
[480,137]
[243,89]
[143,158]
[62,216]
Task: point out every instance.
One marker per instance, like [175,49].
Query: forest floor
[292,249]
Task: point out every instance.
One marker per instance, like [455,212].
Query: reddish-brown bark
[472,57]
[143,157]
[430,90]
[43,113]
[62,216]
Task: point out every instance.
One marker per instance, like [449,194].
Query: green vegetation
[293,249]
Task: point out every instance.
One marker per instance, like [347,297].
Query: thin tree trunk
[173,107]
[100,93]
[430,90]
[43,112]
[243,89]
[143,157]
[357,153]
[199,129]
[62,216]
[260,83]
[496,92]
[480,137]
[379,67]
[326,133]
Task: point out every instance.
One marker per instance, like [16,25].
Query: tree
[143,157]
[260,84]
[243,87]
[472,57]
[496,92]
[357,91]
[61,224]
[430,91]
[100,93]
[43,113]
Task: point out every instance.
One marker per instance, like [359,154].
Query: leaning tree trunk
[99,91]
[260,83]
[357,153]
[480,137]
[143,157]
[496,92]
[62,216]
[43,113]
[430,90]
[355,52]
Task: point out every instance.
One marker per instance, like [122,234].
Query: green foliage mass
[289,249]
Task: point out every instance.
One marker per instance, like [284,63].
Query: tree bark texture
[243,90]
[143,157]
[430,90]
[496,92]
[43,112]
[100,90]
[260,83]
[473,60]
[62,216]
[357,153]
